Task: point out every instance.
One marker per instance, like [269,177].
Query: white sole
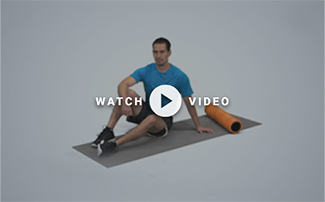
[99,150]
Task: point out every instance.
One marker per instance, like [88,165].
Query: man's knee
[150,121]
[131,93]
[136,101]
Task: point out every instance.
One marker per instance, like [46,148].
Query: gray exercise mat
[181,134]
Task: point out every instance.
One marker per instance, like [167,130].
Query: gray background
[267,57]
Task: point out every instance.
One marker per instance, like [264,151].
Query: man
[153,75]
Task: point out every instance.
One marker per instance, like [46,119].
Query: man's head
[161,51]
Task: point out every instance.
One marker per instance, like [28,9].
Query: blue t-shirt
[152,78]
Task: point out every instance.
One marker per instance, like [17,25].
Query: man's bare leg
[151,123]
[117,111]
[107,133]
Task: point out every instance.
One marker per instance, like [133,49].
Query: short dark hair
[162,40]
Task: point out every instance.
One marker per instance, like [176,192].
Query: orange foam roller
[223,118]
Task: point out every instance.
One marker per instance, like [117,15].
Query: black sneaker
[106,147]
[106,135]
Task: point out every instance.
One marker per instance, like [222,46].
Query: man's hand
[126,110]
[201,130]
[191,109]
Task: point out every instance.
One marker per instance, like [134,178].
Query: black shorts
[146,111]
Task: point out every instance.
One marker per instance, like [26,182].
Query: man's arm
[123,87]
[192,111]
[122,91]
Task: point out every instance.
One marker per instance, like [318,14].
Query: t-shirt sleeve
[139,74]
[185,86]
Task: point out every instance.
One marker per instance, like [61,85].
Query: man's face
[160,53]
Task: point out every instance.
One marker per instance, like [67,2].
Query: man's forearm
[192,110]
[122,90]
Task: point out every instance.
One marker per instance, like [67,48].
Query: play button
[163,97]
[165,100]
